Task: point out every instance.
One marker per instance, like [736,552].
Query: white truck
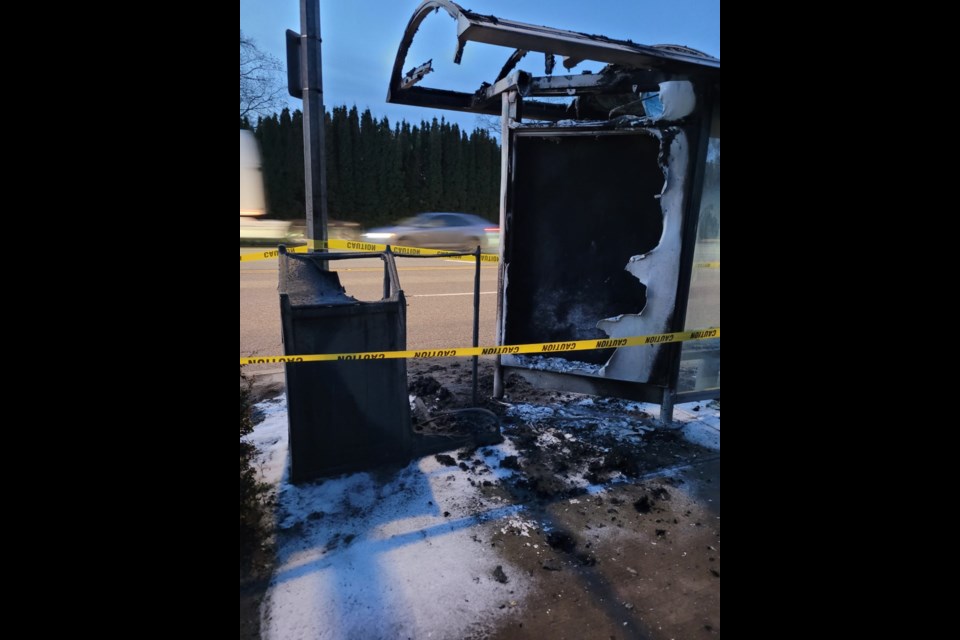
[252,202]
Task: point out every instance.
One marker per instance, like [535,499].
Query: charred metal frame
[632,70]
[476,253]
[319,445]
[656,64]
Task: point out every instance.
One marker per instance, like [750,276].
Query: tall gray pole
[314,153]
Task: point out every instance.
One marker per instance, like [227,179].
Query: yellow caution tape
[543,348]
[355,245]
[266,255]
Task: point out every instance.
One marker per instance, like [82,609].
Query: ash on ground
[565,442]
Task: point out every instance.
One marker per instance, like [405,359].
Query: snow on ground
[398,554]
[700,423]
[270,438]
[384,555]
[559,365]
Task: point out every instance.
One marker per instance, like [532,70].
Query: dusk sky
[360,41]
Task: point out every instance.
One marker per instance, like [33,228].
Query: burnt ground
[641,559]
[620,528]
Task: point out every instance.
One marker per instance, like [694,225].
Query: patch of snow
[557,365]
[569,123]
[547,439]
[384,555]
[530,412]
[520,527]
[699,433]
[700,422]
[493,456]
[270,438]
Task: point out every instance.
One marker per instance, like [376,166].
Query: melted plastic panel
[658,270]
[582,206]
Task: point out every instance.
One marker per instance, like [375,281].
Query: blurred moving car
[257,230]
[253,227]
[260,231]
[456,231]
[252,203]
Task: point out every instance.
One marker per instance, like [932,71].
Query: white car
[455,231]
[260,230]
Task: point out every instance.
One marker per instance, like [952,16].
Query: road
[704,306]
[439,301]
[439,296]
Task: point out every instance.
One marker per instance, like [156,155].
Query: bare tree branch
[490,124]
[261,88]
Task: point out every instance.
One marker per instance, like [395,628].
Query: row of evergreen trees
[377,173]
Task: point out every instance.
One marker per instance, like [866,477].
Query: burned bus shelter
[610,201]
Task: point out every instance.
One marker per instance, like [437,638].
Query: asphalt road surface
[439,301]
[439,298]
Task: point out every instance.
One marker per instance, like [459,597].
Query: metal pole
[386,276]
[314,154]
[666,408]
[508,112]
[476,323]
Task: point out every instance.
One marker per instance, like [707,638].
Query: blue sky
[360,40]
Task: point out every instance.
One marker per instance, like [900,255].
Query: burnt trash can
[344,415]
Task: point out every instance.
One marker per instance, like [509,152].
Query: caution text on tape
[266,255]
[355,245]
[543,348]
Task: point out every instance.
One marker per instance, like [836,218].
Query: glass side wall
[700,359]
